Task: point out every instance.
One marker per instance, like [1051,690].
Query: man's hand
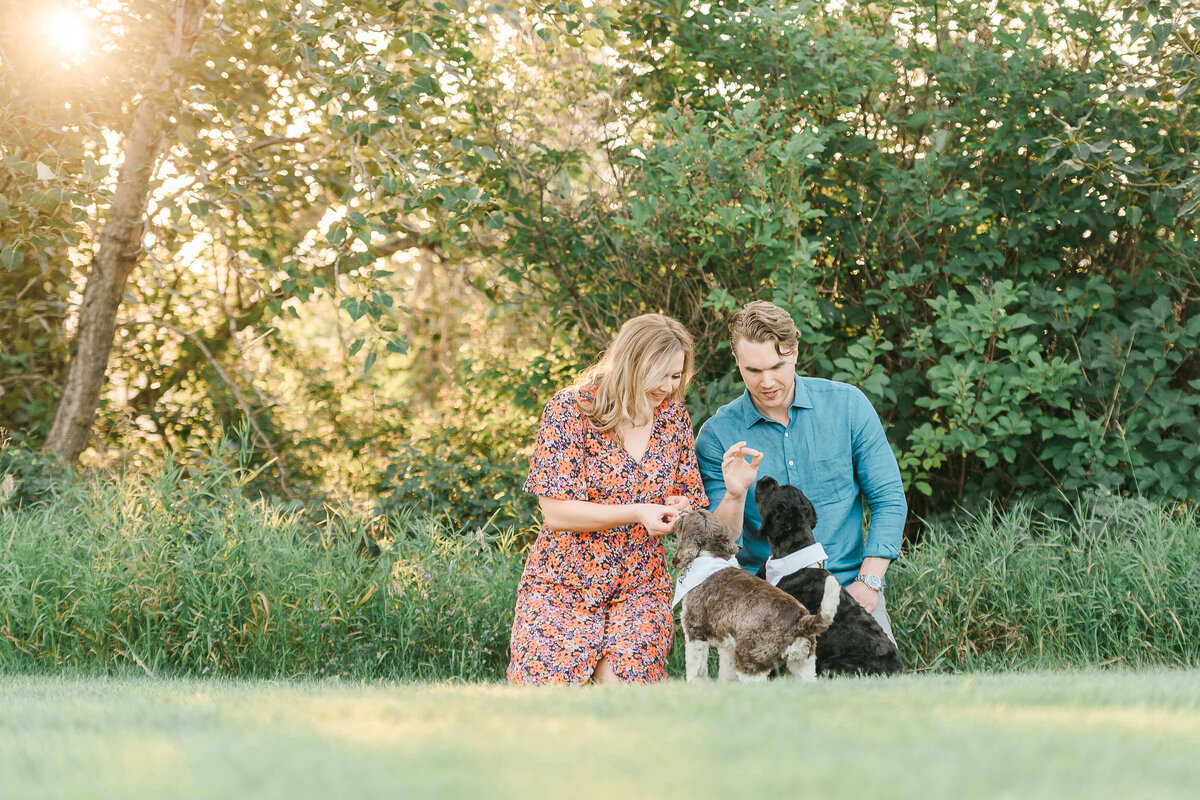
[867,597]
[738,473]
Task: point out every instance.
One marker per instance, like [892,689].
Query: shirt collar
[751,414]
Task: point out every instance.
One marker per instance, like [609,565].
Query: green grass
[181,573]
[1088,734]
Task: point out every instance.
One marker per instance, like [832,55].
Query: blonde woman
[613,466]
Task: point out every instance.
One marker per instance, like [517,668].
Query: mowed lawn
[1056,735]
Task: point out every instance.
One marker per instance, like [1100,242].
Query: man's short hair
[761,321]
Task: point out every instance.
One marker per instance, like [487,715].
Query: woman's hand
[658,520]
[679,503]
[737,472]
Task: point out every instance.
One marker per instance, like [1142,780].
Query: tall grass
[1114,582]
[183,574]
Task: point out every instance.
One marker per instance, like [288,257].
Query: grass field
[1055,735]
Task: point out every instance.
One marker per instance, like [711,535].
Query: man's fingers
[740,450]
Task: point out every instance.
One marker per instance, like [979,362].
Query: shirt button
[791,463]
[785,435]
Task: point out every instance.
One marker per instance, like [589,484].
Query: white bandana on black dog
[778,568]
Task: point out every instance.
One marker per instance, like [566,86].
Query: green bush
[182,574]
[468,478]
[1109,583]
[26,476]
[987,227]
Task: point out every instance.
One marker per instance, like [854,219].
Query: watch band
[872,581]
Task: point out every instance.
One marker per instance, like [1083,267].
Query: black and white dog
[855,644]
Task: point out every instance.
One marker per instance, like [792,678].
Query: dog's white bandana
[778,568]
[701,569]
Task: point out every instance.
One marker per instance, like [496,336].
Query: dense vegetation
[377,235]
[181,574]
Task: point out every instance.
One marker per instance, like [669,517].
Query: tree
[280,148]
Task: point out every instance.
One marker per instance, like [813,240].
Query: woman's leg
[557,631]
[637,636]
[604,675]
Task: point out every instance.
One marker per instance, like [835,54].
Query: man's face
[770,377]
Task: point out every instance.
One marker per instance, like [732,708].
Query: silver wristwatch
[872,581]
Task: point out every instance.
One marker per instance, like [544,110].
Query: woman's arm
[581,515]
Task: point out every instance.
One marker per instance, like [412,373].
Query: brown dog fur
[754,626]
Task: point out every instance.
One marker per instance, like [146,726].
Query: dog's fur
[754,626]
[854,643]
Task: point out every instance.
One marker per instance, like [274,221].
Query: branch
[250,315]
[42,378]
[283,478]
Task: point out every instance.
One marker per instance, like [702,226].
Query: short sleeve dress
[603,593]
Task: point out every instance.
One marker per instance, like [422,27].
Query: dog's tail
[818,623]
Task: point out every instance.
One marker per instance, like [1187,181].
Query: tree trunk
[120,242]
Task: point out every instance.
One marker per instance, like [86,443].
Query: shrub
[182,574]
[1110,582]
[26,476]
[988,228]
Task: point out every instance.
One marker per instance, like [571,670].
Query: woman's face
[669,382]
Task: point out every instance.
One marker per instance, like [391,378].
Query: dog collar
[701,569]
[778,568]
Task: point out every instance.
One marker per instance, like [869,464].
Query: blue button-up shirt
[835,450]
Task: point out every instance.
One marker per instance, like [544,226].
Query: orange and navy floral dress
[603,593]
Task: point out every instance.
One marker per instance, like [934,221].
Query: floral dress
[603,593]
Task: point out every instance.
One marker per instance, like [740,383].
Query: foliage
[306,145]
[182,574]
[986,222]
[1106,584]
[468,477]
[27,477]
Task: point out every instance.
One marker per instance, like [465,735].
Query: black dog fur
[854,643]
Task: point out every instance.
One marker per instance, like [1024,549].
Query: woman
[614,465]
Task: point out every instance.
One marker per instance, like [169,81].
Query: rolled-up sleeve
[879,477]
[708,458]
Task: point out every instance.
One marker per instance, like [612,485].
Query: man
[819,435]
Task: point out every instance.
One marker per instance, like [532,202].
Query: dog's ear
[688,530]
[808,514]
[763,490]
[772,524]
[719,539]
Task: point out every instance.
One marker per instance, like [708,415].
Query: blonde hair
[761,321]
[638,358]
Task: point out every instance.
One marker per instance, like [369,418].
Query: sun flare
[69,32]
